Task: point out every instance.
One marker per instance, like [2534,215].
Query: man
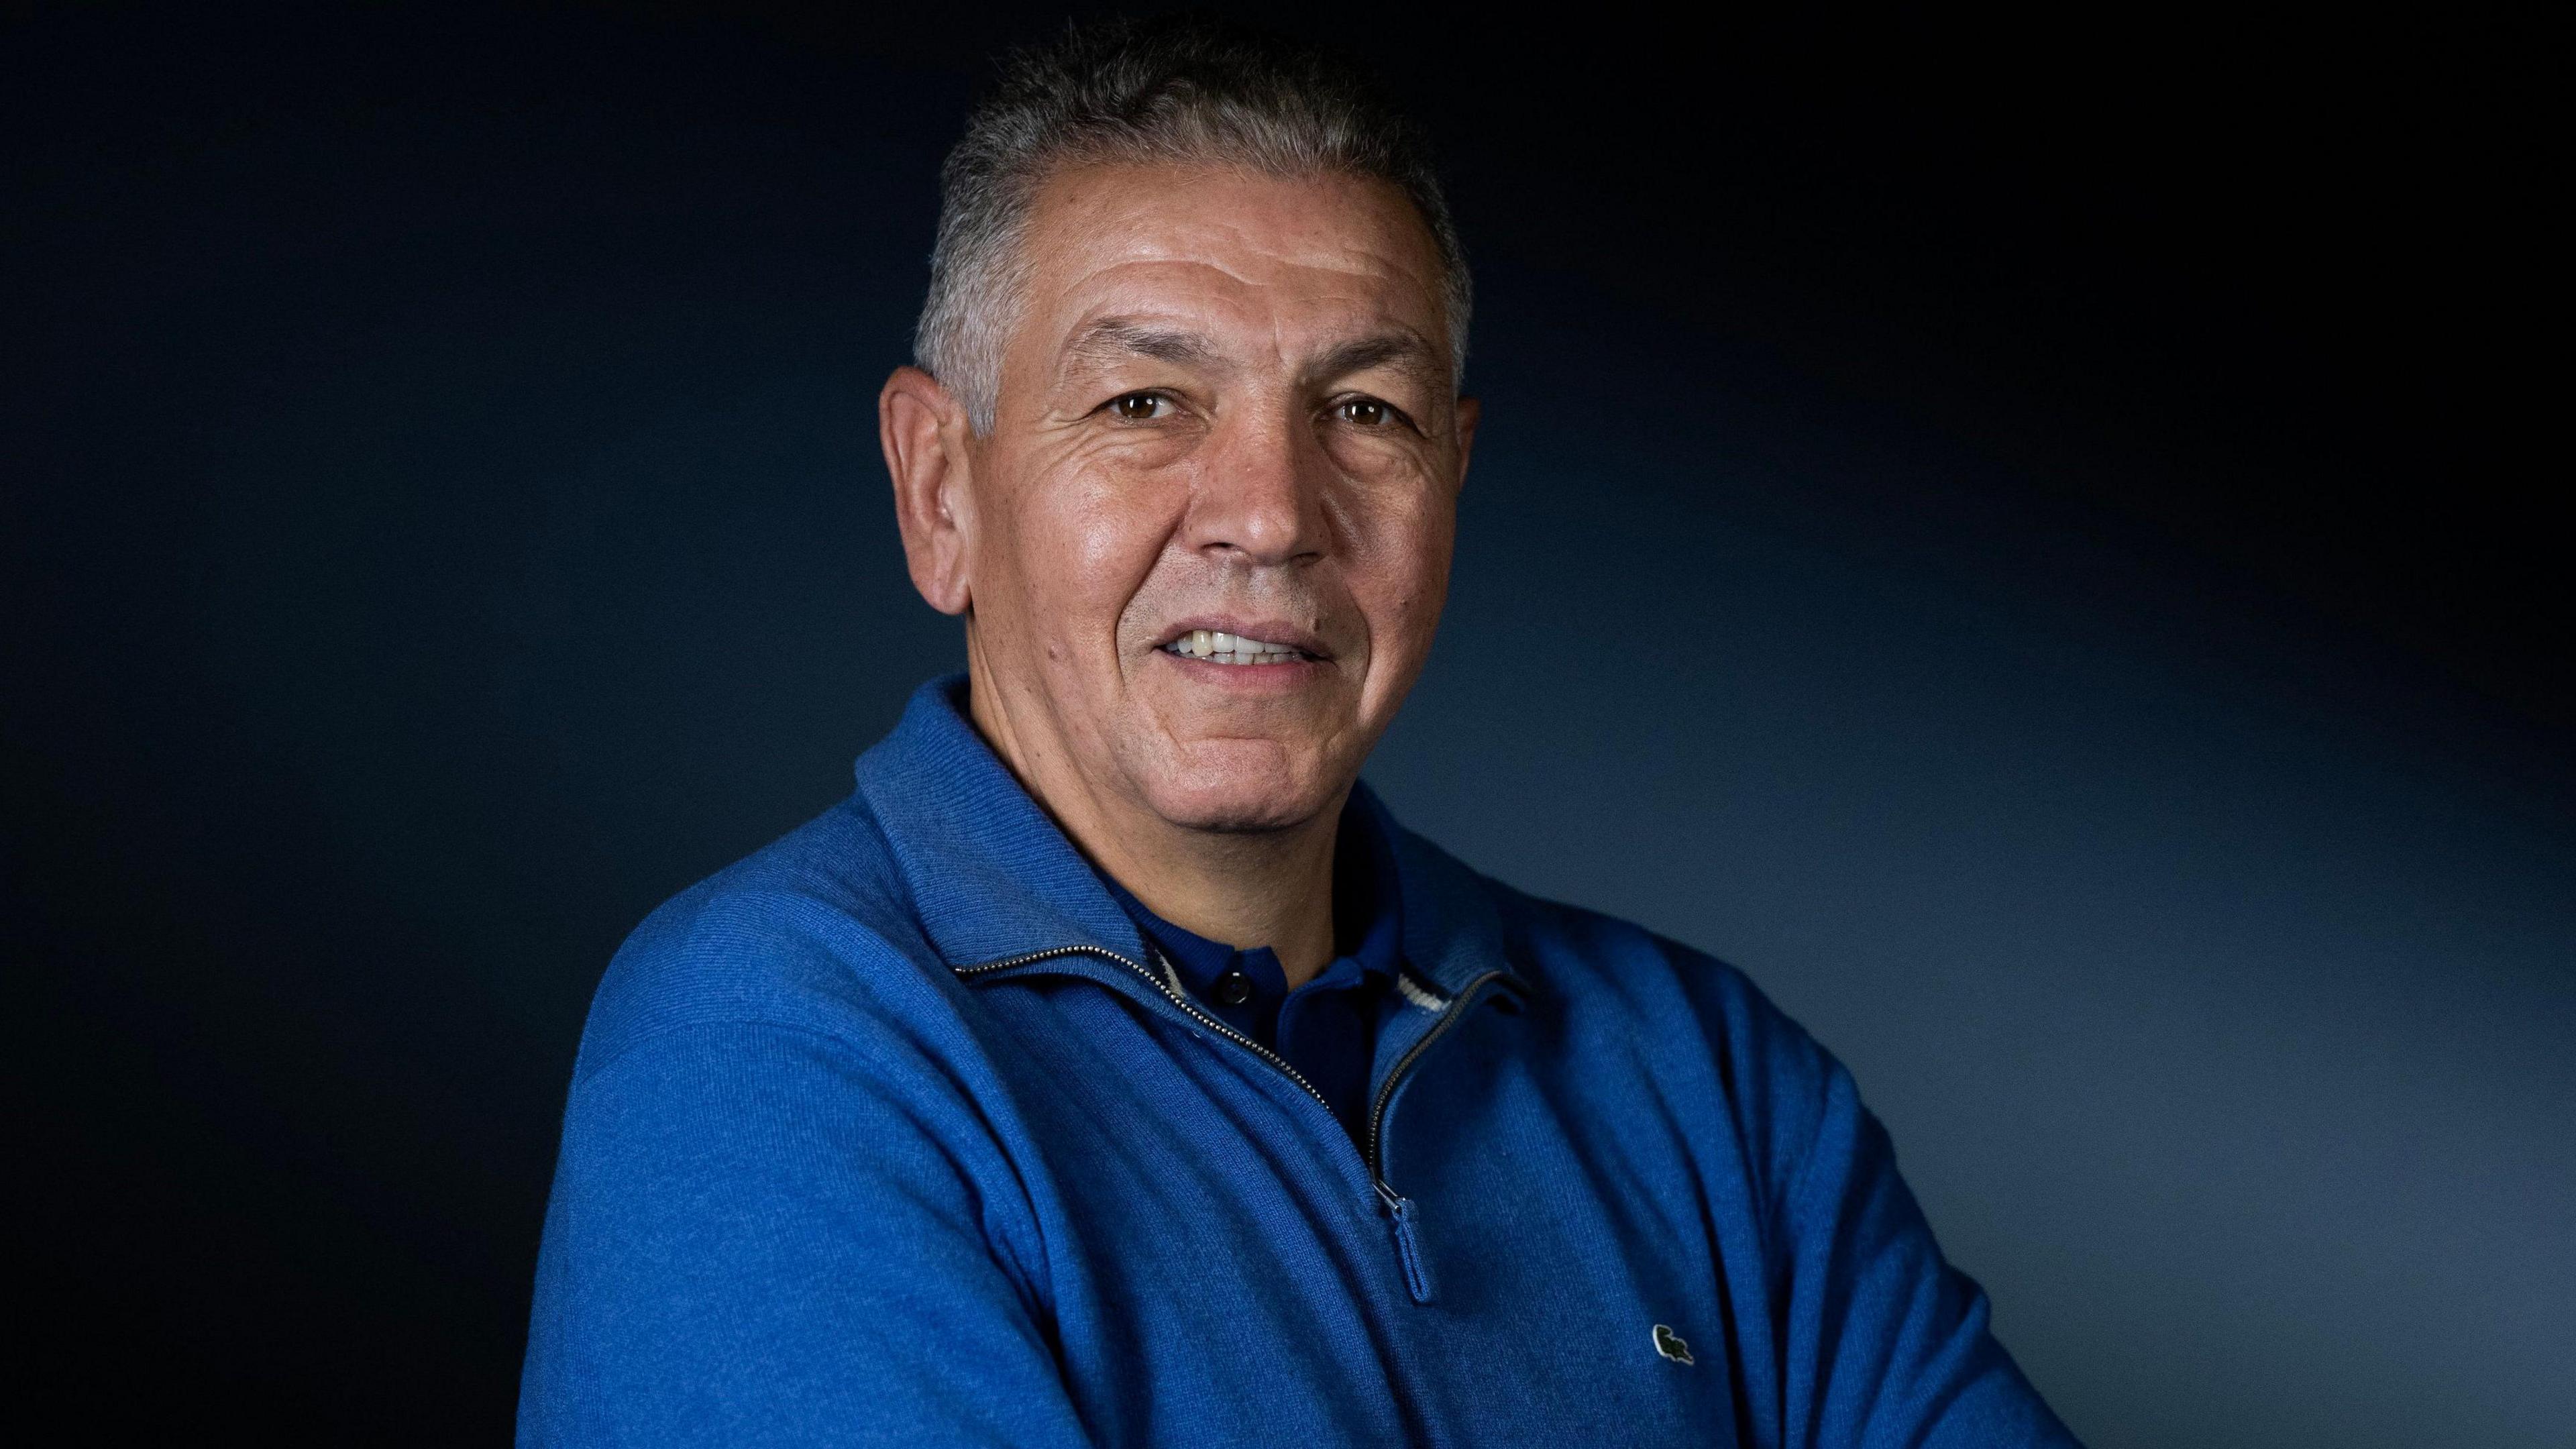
[1110,1068]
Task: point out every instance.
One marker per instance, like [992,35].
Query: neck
[1245,888]
[1273,889]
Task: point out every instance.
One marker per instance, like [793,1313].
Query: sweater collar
[991,876]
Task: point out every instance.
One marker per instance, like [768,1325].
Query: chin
[1236,804]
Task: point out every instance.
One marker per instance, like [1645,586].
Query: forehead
[1291,260]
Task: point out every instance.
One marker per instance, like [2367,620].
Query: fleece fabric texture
[891,1134]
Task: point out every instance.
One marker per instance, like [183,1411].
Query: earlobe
[922,430]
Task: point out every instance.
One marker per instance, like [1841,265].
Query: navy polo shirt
[1327,1028]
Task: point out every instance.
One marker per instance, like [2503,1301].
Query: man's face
[1227,410]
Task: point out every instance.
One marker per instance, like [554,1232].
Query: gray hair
[1169,91]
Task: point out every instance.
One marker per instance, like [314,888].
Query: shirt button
[1232,989]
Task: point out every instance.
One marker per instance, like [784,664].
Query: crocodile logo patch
[1671,1345]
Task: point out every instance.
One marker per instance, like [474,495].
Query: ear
[1469,410]
[923,430]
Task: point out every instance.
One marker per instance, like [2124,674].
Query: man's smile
[1219,647]
[1262,645]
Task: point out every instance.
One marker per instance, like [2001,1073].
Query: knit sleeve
[1883,1343]
[765,1235]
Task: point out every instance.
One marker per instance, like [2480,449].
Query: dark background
[2034,538]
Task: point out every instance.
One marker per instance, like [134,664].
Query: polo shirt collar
[1363,876]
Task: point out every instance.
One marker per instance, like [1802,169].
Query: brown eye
[1138,407]
[1366,411]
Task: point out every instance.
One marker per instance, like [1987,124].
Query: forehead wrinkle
[1251,255]
[1127,234]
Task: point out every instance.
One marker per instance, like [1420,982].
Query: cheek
[1090,537]
[1400,565]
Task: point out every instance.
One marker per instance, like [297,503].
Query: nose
[1258,497]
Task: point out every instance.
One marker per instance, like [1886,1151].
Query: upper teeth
[1220,647]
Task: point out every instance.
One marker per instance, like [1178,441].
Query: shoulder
[1624,1000]
[1669,992]
[810,934]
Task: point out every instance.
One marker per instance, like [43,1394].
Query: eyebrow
[1404,350]
[1112,339]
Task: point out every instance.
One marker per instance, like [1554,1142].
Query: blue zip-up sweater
[894,1133]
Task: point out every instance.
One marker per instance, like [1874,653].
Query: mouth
[1219,646]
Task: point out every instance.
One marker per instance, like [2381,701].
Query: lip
[1265,631]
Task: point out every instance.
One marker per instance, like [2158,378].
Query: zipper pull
[1408,1244]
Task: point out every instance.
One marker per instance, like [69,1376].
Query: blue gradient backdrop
[446,518]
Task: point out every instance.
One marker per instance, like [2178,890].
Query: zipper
[1178,998]
[1386,1091]
[1400,1210]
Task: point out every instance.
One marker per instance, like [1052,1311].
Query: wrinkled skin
[1227,403]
